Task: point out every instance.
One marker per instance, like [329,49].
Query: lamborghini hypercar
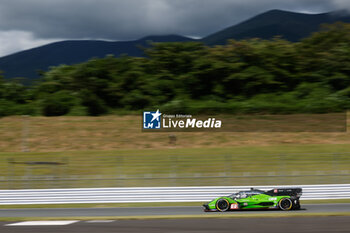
[279,198]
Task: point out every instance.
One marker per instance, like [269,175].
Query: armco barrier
[154,194]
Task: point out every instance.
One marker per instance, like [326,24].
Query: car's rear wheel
[222,205]
[296,205]
[285,204]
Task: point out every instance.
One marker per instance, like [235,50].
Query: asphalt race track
[331,224]
[151,211]
[338,224]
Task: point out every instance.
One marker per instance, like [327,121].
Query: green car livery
[279,198]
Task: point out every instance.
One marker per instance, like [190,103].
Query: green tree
[95,105]
[57,104]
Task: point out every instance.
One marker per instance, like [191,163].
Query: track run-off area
[333,224]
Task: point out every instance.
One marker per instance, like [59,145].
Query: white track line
[42,223]
[100,221]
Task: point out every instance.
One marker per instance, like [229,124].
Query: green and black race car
[279,198]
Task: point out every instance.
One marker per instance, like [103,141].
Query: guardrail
[154,194]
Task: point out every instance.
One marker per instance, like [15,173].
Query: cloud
[132,19]
[342,4]
[11,41]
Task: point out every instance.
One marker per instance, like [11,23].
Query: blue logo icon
[151,120]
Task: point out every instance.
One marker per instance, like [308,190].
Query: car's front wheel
[222,205]
[285,204]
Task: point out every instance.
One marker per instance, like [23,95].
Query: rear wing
[295,192]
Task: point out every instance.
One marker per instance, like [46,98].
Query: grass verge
[68,133]
[254,165]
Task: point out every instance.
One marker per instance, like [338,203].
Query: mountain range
[29,63]
[289,25]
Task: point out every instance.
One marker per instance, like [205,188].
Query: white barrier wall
[155,194]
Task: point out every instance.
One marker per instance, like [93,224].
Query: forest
[241,77]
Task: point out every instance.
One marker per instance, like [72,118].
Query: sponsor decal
[234,206]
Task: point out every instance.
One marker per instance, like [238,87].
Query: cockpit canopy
[245,194]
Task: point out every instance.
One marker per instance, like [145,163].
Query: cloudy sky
[29,23]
